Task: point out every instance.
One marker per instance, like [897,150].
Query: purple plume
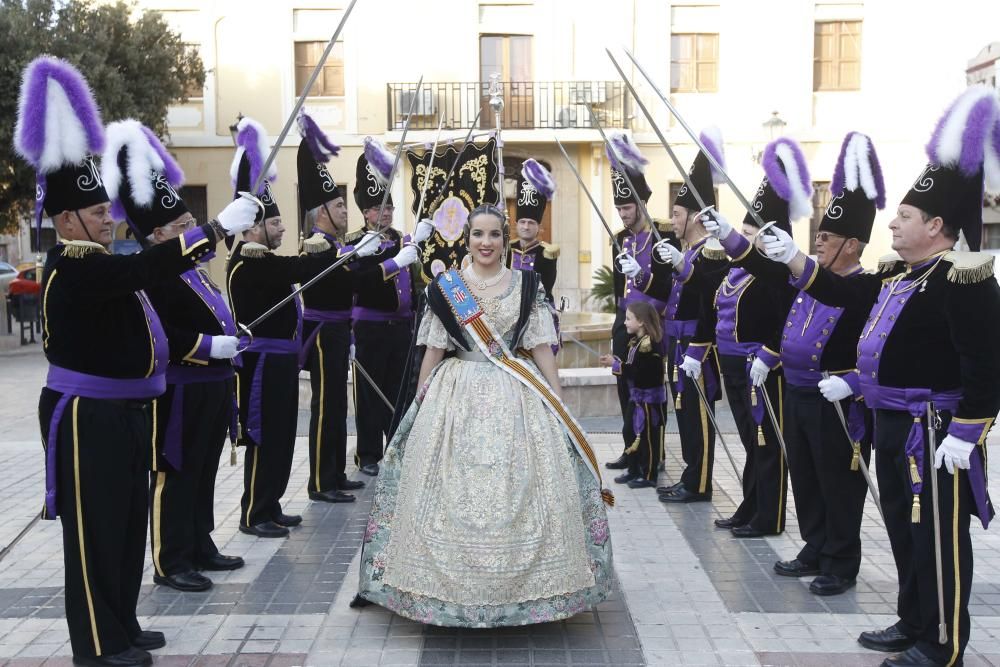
[251,137]
[319,144]
[624,152]
[539,177]
[711,139]
[991,165]
[961,134]
[172,171]
[787,172]
[858,166]
[80,130]
[380,160]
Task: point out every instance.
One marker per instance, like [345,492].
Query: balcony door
[509,56]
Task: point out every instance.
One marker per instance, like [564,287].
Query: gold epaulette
[888,262]
[663,226]
[253,250]
[550,250]
[316,243]
[645,344]
[78,249]
[356,235]
[713,250]
[969,267]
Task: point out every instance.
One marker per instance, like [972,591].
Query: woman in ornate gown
[488,509]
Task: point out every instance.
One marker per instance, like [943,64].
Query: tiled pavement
[686,593]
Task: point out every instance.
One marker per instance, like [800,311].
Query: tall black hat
[703,176]
[248,162]
[786,192]
[535,188]
[372,175]
[963,151]
[141,177]
[316,185]
[626,158]
[857,190]
[58,132]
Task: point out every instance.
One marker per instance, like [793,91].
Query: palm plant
[603,292]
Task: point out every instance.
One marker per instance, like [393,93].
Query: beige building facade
[757,69]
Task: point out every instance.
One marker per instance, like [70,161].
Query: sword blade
[302,98]
[399,149]
[936,514]
[774,423]
[360,369]
[593,203]
[454,165]
[718,431]
[694,137]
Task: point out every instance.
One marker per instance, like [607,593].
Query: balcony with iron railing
[528,105]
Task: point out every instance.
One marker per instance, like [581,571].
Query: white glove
[630,267]
[238,216]
[716,225]
[424,230]
[834,388]
[669,253]
[368,245]
[779,245]
[758,372]
[224,347]
[954,453]
[406,256]
[691,367]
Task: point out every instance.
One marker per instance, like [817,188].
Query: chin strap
[85,230]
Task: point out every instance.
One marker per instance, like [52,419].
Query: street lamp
[774,126]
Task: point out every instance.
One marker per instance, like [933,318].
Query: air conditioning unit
[425,104]
[589,92]
[566,117]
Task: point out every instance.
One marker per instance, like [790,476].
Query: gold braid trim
[888,262]
[80,249]
[550,250]
[969,267]
[713,253]
[316,243]
[253,250]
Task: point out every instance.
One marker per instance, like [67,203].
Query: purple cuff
[389,269]
[684,274]
[195,243]
[970,430]
[805,281]
[769,357]
[201,353]
[698,351]
[853,381]
[616,366]
[735,245]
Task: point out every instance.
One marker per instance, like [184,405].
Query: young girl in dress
[643,370]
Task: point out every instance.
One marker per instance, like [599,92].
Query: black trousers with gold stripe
[381,348]
[913,543]
[644,461]
[765,477]
[182,502]
[829,496]
[694,427]
[104,449]
[327,364]
[619,348]
[268,463]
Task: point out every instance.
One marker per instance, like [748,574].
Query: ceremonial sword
[861,460]
[597,210]
[933,421]
[774,423]
[718,431]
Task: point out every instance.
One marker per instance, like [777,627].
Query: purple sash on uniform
[321,316]
[264,346]
[178,376]
[641,398]
[679,329]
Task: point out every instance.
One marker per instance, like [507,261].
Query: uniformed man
[824,463]
[268,385]
[327,320]
[108,357]
[383,310]
[196,412]
[698,272]
[928,353]
[746,323]
[637,275]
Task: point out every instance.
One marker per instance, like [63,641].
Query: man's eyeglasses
[824,237]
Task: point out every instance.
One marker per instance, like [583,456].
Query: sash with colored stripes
[468,314]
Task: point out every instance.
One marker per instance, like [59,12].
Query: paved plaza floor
[685,592]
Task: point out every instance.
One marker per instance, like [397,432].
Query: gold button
[819,345]
[789,324]
[826,332]
[784,337]
[793,311]
[875,355]
[883,334]
[873,374]
[799,300]
[814,358]
[892,318]
[832,318]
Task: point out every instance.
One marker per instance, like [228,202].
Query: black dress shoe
[830,584]
[286,520]
[130,657]
[795,568]
[746,530]
[626,478]
[725,523]
[619,463]
[331,497]
[184,581]
[911,657]
[350,484]
[669,489]
[218,563]
[265,529]
[358,602]
[890,640]
[147,640]
[370,469]
[682,495]
[641,483]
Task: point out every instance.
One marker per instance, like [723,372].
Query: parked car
[7,274]
[24,283]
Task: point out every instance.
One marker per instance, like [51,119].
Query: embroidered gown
[484,514]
